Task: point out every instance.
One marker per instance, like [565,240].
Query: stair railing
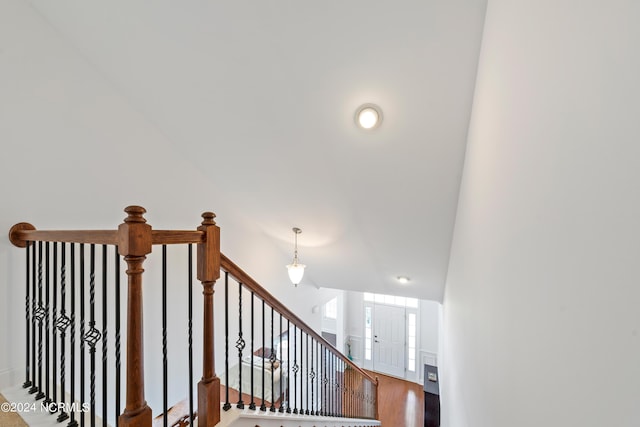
[72,323]
[283,365]
[71,279]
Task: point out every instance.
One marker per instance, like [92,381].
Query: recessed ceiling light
[403,279]
[368,116]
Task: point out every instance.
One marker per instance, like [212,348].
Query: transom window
[391,300]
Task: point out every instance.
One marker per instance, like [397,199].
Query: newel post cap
[134,235]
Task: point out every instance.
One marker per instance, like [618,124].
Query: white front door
[389,339]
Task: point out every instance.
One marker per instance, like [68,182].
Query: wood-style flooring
[400,403]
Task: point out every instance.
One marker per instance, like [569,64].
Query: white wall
[541,303]
[74,153]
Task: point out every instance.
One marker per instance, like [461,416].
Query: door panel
[389,340]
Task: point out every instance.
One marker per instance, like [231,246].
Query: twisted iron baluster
[165,388]
[190,295]
[72,376]
[240,344]
[39,317]
[294,368]
[54,321]
[62,324]
[47,319]
[27,305]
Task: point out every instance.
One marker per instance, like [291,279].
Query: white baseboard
[9,377]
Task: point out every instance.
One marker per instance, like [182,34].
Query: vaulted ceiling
[261,95]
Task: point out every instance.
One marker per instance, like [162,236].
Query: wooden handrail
[239,275]
[25,232]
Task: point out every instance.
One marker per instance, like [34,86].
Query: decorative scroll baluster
[190,331]
[34,321]
[93,335]
[309,376]
[318,377]
[240,344]
[165,363]
[312,376]
[323,376]
[295,369]
[54,320]
[40,313]
[62,324]
[289,366]
[72,370]
[27,307]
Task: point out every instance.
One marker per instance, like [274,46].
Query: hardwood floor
[401,403]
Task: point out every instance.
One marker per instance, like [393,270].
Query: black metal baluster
[93,335]
[27,307]
[307,383]
[191,334]
[312,375]
[82,329]
[295,369]
[240,344]
[272,360]
[337,390]
[340,390]
[117,339]
[281,409]
[47,318]
[62,324]
[54,394]
[334,385]
[263,407]
[323,375]
[165,365]
[40,317]
[104,336]
[252,405]
[301,372]
[72,371]
[226,405]
[289,366]
[34,309]
[318,378]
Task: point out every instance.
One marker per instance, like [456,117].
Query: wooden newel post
[134,243]
[208,273]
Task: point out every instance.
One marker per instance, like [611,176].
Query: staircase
[241,358]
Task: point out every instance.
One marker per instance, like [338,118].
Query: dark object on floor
[431,397]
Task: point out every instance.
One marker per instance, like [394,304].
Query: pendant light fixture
[296,270]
